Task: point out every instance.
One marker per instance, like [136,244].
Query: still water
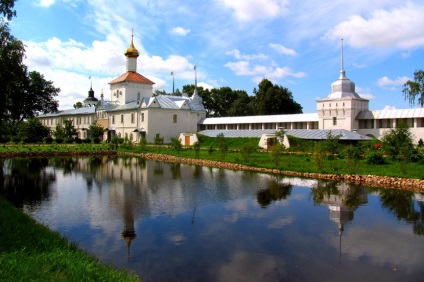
[176,222]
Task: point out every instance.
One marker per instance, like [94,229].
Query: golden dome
[131,51]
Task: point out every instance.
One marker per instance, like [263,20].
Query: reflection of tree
[402,205]
[323,190]
[158,169]
[175,170]
[276,191]
[67,164]
[26,181]
[351,196]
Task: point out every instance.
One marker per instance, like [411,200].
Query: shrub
[59,140]
[48,140]
[16,139]
[78,140]
[143,143]
[375,158]
[246,151]
[275,152]
[176,144]
[196,147]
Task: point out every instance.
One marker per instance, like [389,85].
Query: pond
[177,222]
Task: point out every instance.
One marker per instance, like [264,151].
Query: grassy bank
[31,252]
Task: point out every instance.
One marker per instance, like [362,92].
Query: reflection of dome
[131,51]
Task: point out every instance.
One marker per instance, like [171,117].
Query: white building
[133,113]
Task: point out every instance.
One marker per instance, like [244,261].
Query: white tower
[340,108]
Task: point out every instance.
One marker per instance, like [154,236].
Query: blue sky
[233,43]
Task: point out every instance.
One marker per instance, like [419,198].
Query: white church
[132,112]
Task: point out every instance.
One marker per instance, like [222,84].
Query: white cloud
[237,55]
[282,50]
[46,3]
[243,68]
[398,28]
[365,93]
[205,85]
[388,107]
[179,31]
[386,82]
[248,10]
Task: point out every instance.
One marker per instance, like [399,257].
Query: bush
[16,139]
[59,140]
[375,158]
[276,151]
[176,144]
[48,140]
[143,143]
[196,147]
[78,140]
[247,150]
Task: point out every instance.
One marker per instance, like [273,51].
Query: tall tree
[274,99]
[414,90]
[6,9]
[36,95]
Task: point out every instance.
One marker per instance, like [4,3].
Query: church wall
[162,122]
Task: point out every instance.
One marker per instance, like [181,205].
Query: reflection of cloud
[281,222]
[245,266]
[177,239]
[358,242]
[231,218]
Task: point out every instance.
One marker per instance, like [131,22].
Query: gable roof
[132,76]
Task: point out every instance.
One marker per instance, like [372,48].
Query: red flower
[377,146]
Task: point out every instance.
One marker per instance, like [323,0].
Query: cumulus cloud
[388,107]
[237,55]
[365,93]
[282,49]
[388,83]
[180,31]
[398,28]
[248,10]
[243,68]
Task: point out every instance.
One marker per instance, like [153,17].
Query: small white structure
[188,139]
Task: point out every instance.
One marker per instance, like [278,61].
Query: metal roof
[392,114]
[77,111]
[311,134]
[261,119]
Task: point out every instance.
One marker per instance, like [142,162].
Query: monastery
[132,112]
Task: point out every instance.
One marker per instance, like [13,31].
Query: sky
[234,43]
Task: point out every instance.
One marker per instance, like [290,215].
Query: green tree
[35,96]
[176,144]
[276,151]
[413,91]
[6,8]
[32,131]
[59,132]
[95,132]
[398,141]
[274,99]
[69,130]
[78,105]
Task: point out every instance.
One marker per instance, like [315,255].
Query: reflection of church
[341,211]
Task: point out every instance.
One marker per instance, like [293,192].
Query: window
[142,116]
[113,119]
[132,117]
[174,119]
[138,96]
[334,121]
[122,118]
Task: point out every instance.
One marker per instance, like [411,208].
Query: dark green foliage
[332,145]
[276,151]
[48,140]
[398,142]
[143,143]
[158,140]
[353,155]
[94,131]
[273,99]
[246,151]
[222,145]
[196,147]
[176,144]
[319,155]
[413,91]
[375,157]
[32,131]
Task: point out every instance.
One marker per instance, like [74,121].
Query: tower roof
[132,52]
[131,76]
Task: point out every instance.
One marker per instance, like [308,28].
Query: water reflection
[189,223]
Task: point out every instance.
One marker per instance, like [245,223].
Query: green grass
[294,162]
[31,252]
